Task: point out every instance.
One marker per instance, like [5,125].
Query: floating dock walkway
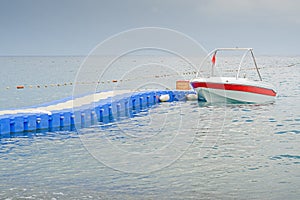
[84,111]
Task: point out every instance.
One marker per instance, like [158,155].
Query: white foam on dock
[74,103]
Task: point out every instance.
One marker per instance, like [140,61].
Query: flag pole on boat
[213,60]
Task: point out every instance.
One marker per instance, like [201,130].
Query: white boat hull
[221,89]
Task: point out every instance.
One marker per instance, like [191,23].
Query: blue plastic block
[126,103]
[178,95]
[101,115]
[4,126]
[119,110]
[82,119]
[31,122]
[72,119]
[25,123]
[98,113]
[134,102]
[141,101]
[12,125]
[114,107]
[86,117]
[126,106]
[67,118]
[104,113]
[110,113]
[171,94]
[121,103]
[93,117]
[182,96]
[54,121]
[151,98]
[17,124]
[38,122]
[156,97]
[144,99]
[77,117]
[42,121]
[105,109]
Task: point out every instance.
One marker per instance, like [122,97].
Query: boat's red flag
[213,59]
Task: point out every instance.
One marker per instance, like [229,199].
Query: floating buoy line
[39,86]
[113,81]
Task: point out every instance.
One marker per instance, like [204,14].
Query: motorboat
[236,88]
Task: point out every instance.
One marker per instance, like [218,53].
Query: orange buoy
[20,87]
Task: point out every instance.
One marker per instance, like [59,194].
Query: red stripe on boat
[243,88]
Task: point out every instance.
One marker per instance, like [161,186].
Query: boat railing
[247,50]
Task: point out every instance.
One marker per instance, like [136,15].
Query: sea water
[177,150]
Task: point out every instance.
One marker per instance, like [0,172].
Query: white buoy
[164,97]
[191,97]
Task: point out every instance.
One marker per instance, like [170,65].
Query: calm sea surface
[177,150]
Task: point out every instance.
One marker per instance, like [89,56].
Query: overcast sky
[75,27]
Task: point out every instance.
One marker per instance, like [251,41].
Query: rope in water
[23,86]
